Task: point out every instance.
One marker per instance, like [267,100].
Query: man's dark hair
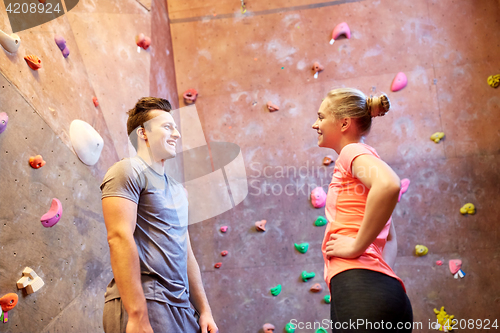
[139,115]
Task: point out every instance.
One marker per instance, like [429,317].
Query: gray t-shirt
[161,229]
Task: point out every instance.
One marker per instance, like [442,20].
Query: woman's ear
[346,124]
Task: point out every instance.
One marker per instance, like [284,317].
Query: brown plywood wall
[238,62]
[72,257]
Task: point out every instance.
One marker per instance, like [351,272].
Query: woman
[360,247]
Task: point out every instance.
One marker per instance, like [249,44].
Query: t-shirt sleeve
[122,180]
[349,154]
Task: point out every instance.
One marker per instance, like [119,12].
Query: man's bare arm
[120,217]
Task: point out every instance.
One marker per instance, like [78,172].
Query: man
[156,275]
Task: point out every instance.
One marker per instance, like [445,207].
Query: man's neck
[157,166]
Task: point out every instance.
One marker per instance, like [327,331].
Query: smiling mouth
[171,143]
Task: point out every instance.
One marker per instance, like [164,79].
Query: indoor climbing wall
[261,72]
[62,125]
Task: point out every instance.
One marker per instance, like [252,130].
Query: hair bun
[378,105]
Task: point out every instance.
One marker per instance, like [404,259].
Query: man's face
[162,135]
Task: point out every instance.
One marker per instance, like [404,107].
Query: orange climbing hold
[37,161]
[33,61]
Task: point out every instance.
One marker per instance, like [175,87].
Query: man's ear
[141,133]
[346,124]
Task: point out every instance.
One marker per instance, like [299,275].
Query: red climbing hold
[190,96]
[223,253]
[455,265]
[96,102]
[223,228]
[217,265]
[142,41]
[37,161]
[272,107]
[261,225]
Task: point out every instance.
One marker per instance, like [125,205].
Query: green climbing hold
[289,328]
[321,330]
[320,221]
[282,67]
[327,299]
[302,248]
[276,290]
[306,276]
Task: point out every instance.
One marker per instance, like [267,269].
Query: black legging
[364,300]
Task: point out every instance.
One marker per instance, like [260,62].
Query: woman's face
[327,127]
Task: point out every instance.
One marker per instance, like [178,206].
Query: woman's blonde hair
[352,103]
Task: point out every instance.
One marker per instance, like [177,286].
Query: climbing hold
[10,42]
[455,265]
[223,228]
[436,137]
[54,214]
[339,30]
[96,102]
[276,290]
[460,274]
[306,276]
[260,225]
[37,161]
[61,44]
[421,250]
[289,328]
[302,248]
[318,197]
[42,1]
[272,107]
[86,141]
[445,321]
[33,61]
[405,183]
[399,82]
[316,288]
[494,80]
[327,299]
[223,253]
[439,262]
[142,41]
[4,119]
[321,330]
[268,328]
[190,96]
[8,301]
[327,160]
[320,221]
[468,208]
[317,68]
[30,280]
[217,265]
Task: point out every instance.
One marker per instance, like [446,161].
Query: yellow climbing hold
[445,321]
[421,250]
[468,208]
[494,80]
[436,137]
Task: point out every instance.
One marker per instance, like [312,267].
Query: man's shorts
[164,318]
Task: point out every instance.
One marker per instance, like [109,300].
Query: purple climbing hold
[4,119]
[61,44]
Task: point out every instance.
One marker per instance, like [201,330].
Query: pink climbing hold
[316,288]
[268,328]
[399,82]
[218,265]
[339,30]
[318,197]
[223,253]
[54,214]
[405,183]
[261,225]
[223,228]
[272,107]
[4,120]
[439,262]
[455,265]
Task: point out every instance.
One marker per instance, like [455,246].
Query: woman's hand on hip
[342,246]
